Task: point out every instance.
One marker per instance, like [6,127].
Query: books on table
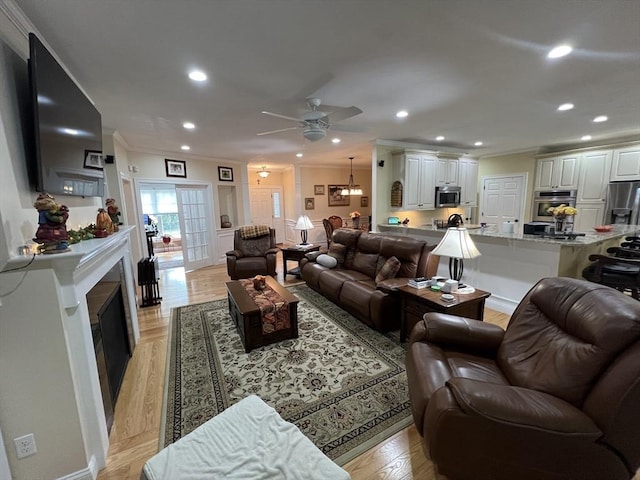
[420,282]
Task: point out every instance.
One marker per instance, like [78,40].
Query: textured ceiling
[468,70]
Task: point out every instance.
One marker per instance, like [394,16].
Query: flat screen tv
[67,130]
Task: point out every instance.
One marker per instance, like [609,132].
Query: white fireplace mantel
[48,369]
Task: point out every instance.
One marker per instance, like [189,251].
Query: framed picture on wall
[335,197]
[93,159]
[318,189]
[175,168]
[225,174]
[309,203]
[364,201]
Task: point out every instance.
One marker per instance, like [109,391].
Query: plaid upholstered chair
[254,252]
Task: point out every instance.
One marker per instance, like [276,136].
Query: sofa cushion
[338,251]
[408,250]
[327,261]
[388,270]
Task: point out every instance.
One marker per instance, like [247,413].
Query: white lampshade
[456,243]
[303,223]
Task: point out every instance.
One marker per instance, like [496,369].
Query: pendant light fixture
[264,173]
[353,189]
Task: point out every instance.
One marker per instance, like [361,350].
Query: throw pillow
[327,261]
[388,270]
[338,251]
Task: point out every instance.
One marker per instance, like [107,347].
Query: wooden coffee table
[248,320]
[418,301]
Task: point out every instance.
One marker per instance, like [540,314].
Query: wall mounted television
[66,150]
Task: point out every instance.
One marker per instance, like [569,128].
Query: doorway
[266,209]
[502,200]
[181,215]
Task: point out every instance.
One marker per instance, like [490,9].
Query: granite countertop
[589,238]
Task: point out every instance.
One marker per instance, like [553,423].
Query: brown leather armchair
[556,396]
[252,256]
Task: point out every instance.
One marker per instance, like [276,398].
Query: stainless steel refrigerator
[623,203]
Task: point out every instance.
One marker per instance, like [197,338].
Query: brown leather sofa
[352,285]
[252,256]
[556,396]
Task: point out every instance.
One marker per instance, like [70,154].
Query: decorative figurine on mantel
[52,225]
[114,213]
[104,225]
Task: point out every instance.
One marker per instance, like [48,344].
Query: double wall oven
[543,200]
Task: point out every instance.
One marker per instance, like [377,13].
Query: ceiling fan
[315,122]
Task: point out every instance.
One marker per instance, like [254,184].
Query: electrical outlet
[25,445]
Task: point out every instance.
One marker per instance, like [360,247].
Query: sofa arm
[392,284]
[521,406]
[312,256]
[458,332]
[271,251]
[234,253]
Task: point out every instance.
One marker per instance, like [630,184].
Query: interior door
[195,225]
[502,200]
[266,209]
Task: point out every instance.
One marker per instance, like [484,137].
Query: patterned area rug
[343,384]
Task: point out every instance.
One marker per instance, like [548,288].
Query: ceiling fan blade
[282,116]
[276,131]
[341,113]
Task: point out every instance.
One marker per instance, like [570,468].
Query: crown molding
[17,17]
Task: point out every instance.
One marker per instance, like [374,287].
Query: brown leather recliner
[252,256]
[556,396]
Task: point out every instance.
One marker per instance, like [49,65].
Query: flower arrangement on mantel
[355,214]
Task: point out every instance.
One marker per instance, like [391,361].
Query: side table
[296,253]
[418,301]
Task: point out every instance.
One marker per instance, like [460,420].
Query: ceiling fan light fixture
[313,134]
[264,173]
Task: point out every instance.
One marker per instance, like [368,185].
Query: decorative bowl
[603,228]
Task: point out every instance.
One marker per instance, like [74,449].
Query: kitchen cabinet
[626,164]
[594,176]
[557,172]
[468,182]
[589,215]
[417,171]
[447,173]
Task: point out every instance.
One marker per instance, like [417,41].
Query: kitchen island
[511,263]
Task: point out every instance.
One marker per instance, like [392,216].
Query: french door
[197,249]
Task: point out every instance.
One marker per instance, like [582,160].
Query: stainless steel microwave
[448,196]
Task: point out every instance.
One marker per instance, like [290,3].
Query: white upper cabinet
[447,171]
[626,164]
[417,172]
[557,172]
[594,176]
[468,182]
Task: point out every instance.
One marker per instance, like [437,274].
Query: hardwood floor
[136,427]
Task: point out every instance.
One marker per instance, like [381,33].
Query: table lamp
[303,224]
[457,245]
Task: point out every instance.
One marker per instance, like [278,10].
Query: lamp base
[456,266]
[304,236]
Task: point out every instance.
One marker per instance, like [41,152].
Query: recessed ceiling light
[439,138]
[478,144]
[586,137]
[402,114]
[189,125]
[565,106]
[299,155]
[601,118]
[185,147]
[197,76]
[71,131]
[335,140]
[560,51]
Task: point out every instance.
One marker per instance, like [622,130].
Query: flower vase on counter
[559,225]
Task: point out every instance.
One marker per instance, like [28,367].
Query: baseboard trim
[89,473]
[501,304]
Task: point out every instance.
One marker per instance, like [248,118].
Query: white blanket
[248,441]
